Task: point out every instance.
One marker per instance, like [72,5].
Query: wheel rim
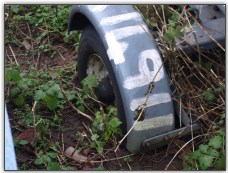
[96,67]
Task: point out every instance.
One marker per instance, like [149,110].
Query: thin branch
[113,159]
[120,142]
[77,110]
[34,124]
[182,149]
[204,30]
[13,55]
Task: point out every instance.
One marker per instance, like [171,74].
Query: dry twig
[77,110]
[13,55]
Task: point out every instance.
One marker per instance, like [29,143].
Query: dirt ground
[199,82]
[154,160]
[73,123]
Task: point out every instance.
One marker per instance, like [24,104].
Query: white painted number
[154,99]
[146,76]
[115,48]
[112,20]
[156,122]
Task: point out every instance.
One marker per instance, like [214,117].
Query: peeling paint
[156,122]
[154,99]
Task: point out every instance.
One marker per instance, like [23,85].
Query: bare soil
[73,123]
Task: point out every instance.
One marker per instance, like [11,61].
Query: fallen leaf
[27,135]
[86,151]
[26,44]
[80,158]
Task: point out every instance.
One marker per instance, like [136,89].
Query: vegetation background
[51,112]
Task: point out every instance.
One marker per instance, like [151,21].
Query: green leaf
[223,115]
[15,75]
[52,155]
[90,82]
[8,77]
[38,161]
[56,87]
[98,116]
[107,135]
[15,8]
[208,95]
[40,94]
[221,133]
[115,122]
[112,111]
[60,95]
[205,161]
[22,84]
[51,102]
[55,146]
[203,148]
[169,37]
[53,166]
[46,158]
[70,95]
[128,159]
[219,89]
[44,87]
[220,164]
[81,108]
[195,155]
[213,152]
[100,149]
[94,137]
[19,100]
[216,142]
[50,91]
[42,35]
[23,142]
[67,168]
[15,91]
[29,121]
[186,166]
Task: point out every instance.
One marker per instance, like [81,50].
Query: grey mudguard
[135,60]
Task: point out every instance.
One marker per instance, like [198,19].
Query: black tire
[91,43]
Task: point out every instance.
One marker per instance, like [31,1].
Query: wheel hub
[96,67]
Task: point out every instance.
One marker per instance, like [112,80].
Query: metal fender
[136,61]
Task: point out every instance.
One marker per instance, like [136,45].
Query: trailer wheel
[93,60]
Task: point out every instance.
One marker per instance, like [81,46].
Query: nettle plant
[27,87]
[209,155]
[33,85]
[106,124]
